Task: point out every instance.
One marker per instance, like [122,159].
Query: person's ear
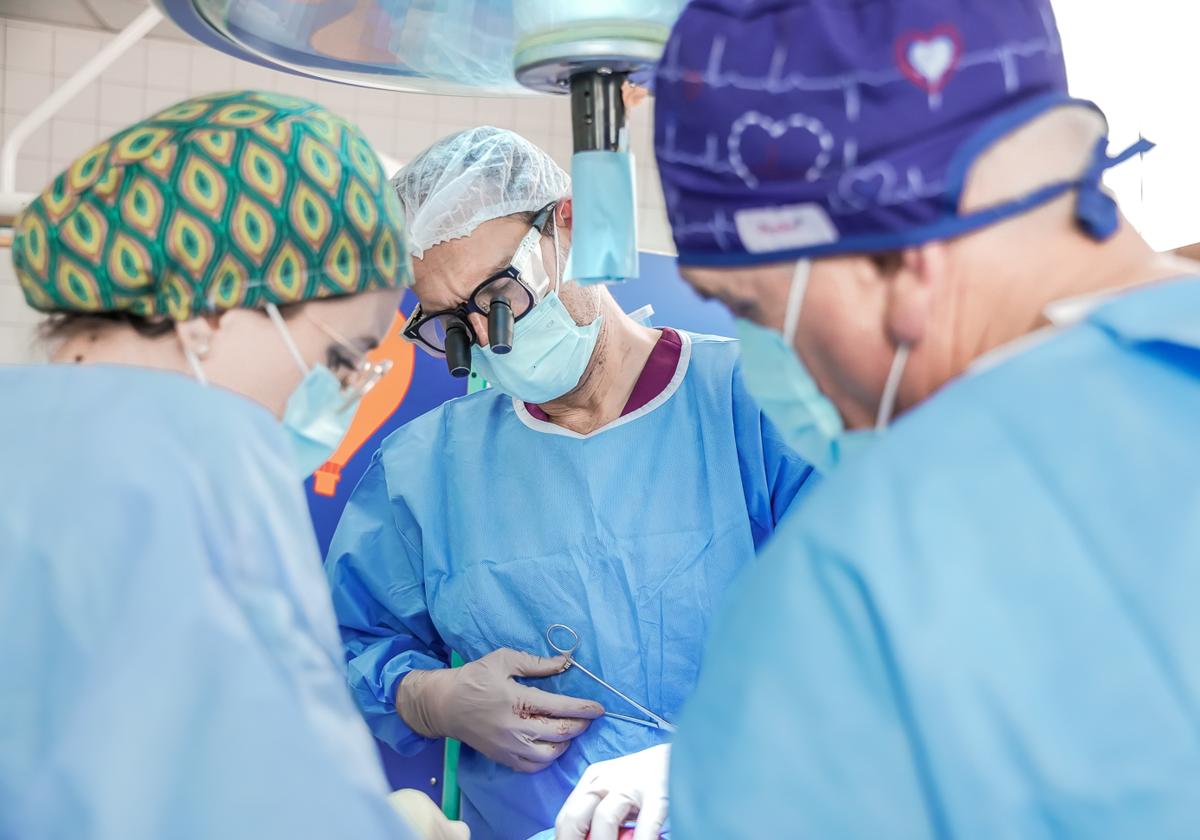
[563,214]
[196,334]
[911,291]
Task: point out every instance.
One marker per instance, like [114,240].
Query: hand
[610,791]
[632,95]
[425,818]
[482,705]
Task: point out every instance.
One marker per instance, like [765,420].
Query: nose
[478,323]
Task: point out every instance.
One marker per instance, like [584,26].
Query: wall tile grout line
[158,72]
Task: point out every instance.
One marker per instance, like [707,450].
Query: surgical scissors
[655,722]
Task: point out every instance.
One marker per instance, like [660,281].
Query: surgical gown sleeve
[773,474]
[375,570]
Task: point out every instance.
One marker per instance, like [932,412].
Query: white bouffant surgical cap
[472,177]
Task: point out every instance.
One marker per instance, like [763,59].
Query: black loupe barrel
[458,350]
[500,326]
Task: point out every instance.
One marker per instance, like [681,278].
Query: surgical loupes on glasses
[458,349]
[500,325]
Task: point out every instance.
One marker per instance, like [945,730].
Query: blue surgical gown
[477,526]
[169,661]
[986,626]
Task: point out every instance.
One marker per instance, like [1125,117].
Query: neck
[622,349]
[122,346]
[1075,269]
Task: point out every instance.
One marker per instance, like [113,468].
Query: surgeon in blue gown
[615,479]
[983,623]
[169,660]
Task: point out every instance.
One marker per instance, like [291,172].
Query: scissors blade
[649,724]
[655,722]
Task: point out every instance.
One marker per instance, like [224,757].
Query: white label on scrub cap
[766,229]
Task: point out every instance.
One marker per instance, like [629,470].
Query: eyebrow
[497,268]
[364,343]
[440,305]
[748,305]
[504,263]
[731,302]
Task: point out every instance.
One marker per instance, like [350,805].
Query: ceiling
[103,15]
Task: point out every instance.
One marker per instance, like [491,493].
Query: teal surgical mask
[316,419]
[321,408]
[777,379]
[550,352]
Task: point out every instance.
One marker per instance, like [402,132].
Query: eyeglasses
[507,289]
[503,298]
[429,331]
[349,363]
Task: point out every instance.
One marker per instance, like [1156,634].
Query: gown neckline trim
[681,368]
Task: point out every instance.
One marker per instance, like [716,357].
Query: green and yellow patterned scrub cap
[223,201]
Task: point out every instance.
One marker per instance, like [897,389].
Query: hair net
[472,177]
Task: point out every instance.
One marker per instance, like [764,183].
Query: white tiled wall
[155,73]
[18,323]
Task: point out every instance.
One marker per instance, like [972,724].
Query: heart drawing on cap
[769,152]
[929,59]
[692,83]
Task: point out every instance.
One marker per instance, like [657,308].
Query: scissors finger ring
[564,633]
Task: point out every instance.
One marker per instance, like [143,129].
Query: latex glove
[425,818]
[482,705]
[612,791]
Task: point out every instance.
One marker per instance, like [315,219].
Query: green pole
[451,796]
[450,793]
